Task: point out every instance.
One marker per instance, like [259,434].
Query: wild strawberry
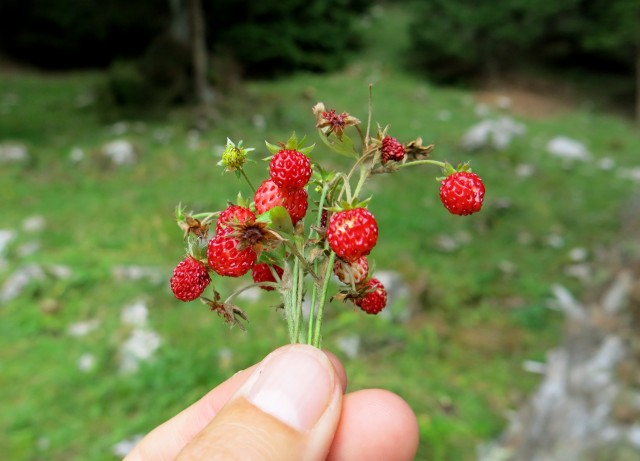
[290,169]
[189,279]
[262,273]
[234,214]
[351,272]
[352,233]
[462,193]
[296,204]
[375,299]
[269,195]
[224,257]
[392,150]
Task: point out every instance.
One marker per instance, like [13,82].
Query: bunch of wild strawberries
[269,236]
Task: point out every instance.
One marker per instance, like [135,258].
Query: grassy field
[479,285]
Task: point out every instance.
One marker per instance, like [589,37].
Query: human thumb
[288,409]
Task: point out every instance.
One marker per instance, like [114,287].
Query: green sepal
[272,148]
[180,217]
[448,170]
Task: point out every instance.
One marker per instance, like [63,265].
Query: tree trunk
[638,86]
[202,92]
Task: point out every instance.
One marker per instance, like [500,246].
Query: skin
[226,424]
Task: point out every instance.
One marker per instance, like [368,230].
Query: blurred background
[113,112]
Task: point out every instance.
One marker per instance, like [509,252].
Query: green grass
[478,312]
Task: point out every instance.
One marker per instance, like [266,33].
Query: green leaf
[280,220]
[342,146]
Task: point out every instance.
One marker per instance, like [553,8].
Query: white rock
[525,170]
[133,273]
[6,236]
[135,314]
[634,435]
[86,362]
[13,152]
[83,328]
[606,164]
[630,173]
[33,223]
[27,248]
[119,128]
[120,151]
[17,281]
[349,345]
[139,347]
[76,154]
[567,149]
[492,133]
[578,254]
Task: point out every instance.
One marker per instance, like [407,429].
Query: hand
[291,406]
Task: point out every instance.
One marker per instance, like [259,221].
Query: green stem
[298,299]
[205,215]
[423,162]
[317,338]
[246,287]
[290,303]
[314,290]
[247,179]
[300,258]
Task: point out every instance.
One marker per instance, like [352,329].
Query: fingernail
[294,385]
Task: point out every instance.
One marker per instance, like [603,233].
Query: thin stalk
[246,287]
[247,179]
[299,257]
[290,302]
[314,289]
[422,162]
[298,299]
[317,338]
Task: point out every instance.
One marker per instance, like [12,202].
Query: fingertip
[339,368]
[375,424]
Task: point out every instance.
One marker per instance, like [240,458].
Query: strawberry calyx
[293,143]
[448,169]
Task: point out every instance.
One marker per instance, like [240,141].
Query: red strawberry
[290,169]
[225,258]
[234,213]
[376,298]
[269,195]
[391,150]
[462,193]
[351,272]
[296,204]
[262,273]
[189,279]
[352,233]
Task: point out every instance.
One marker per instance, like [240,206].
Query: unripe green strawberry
[189,279]
[262,273]
[290,169]
[352,233]
[392,150]
[354,272]
[376,298]
[462,193]
[269,195]
[234,214]
[224,257]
